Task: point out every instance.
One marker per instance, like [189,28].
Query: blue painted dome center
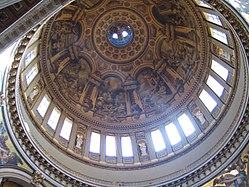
[120,34]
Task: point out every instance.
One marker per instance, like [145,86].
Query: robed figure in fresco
[230,180]
[7,157]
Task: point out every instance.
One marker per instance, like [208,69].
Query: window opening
[207,100]
[43,106]
[31,74]
[219,69]
[221,36]
[29,57]
[95,143]
[66,129]
[213,18]
[215,85]
[202,3]
[126,146]
[54,118]
[158,140]
[110,146]
[172,133]
[186,125]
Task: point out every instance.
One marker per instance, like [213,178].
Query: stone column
[119,150]
[134,148]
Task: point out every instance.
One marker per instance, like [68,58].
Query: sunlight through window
[221,36]
[172,133]
[186,125]
[66,129]
[213,18]
[95,143]
[208,101]
[215,85]
[54,118]
[43,106]
[29,57]
[31,74]
[158,141]
[115,36]
[202,3]
[124,34]
[219,69]
[110,146]
[126,146]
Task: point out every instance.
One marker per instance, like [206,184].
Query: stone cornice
[36,15]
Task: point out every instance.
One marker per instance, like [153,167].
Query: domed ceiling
[124,64]
[129,71]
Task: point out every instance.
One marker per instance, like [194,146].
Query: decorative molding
[37,179]
[5,3]
[35,16]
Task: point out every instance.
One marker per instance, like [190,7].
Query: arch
[13,174]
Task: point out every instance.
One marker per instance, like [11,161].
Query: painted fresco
[8,154]
[235,175]
[123,84]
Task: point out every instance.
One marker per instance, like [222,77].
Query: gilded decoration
[235,175]
[124,62]
[9,156]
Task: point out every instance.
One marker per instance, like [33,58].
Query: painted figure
[6,156]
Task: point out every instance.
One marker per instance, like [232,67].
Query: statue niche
[35,92]
[111,102]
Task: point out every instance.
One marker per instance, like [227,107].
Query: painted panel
[8,153]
